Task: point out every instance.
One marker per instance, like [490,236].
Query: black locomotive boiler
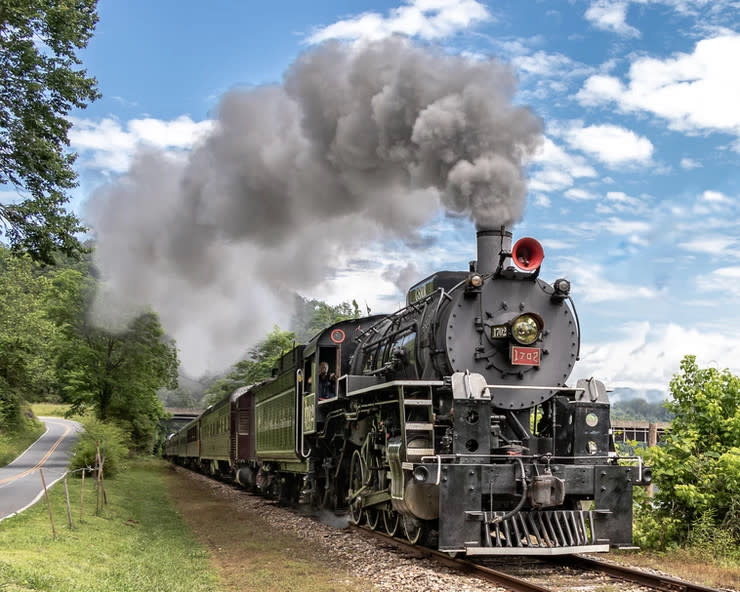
[449,420]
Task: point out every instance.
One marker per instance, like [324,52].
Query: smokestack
[491,243]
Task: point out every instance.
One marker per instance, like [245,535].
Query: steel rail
[499,578]
[655,581]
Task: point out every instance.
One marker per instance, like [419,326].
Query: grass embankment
[138,543]
[251,553]
[14,442]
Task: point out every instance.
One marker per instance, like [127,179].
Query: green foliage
[14,440]
[26,334]
[696,471]
[313,316]
[51,351]
[188,393]
[115,373]
[112,440]
[258,365]
[41,82]
[713,542]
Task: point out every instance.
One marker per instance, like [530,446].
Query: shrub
[710,540]
[113,443]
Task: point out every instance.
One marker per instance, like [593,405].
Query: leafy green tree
[312,316]
[257,366]
[697,469]
[26,334]
[110,439]
[115,373]
[41,82]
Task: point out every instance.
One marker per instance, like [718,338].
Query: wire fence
[101,497]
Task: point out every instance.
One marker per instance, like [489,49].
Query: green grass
[138,544]
[12,444]
[51,410]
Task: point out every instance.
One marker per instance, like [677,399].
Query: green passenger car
[215,437]
[277,415]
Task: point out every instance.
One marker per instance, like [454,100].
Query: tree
[256,367]
[312,316]
[115,373]
[697,469]
[41,82]
[26,365]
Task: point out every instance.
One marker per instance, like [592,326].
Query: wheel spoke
[356,479]
[391,522]
[413,529]
[373,518]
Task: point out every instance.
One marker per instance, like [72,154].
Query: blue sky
[634,193]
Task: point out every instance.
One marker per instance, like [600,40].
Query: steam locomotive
[449,422]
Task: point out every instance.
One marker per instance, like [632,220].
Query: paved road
[20,482]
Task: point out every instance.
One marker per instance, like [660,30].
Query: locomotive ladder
[418,422]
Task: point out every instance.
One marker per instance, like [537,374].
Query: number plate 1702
[525,356]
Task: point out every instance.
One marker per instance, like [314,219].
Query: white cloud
[725,280]
[648,354]
[611,16]
[715,197]
[541,200]
[621,197]
[427,19]
[553,156]
[712,245]
[109,146]
[621,227]
[557,245]
[550,179]
[611,144]
[555,169]
[620,202]
[542,64]
[580,194]
[690,163]
[592,285]
[693,92]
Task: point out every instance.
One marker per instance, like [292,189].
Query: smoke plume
[358,144]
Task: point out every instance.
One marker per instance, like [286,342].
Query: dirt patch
[248,552]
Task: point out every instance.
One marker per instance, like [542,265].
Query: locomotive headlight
[473,283]
[525,329]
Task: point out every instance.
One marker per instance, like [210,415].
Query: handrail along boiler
[451,421]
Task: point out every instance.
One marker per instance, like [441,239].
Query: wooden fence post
[48,504]
[97,479]
[66,498]
[82,493]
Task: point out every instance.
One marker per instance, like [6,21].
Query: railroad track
[517,584]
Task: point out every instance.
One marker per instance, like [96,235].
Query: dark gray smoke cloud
[359,144]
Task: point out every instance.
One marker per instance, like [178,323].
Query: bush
[696,469]
[713,541]
[113,443]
